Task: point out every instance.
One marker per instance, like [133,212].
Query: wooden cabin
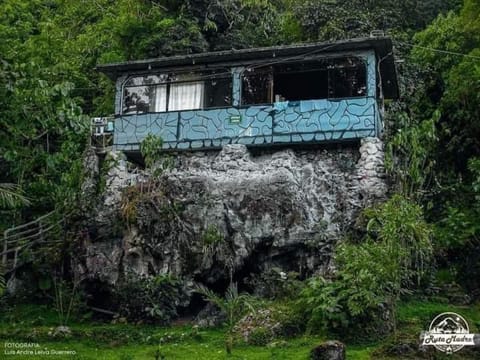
[295,94]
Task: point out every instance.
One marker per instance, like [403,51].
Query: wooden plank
[4,256]
[19,238]
[103,311]
[25,230]
[31,222]
[33,236]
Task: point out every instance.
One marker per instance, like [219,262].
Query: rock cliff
[228,213]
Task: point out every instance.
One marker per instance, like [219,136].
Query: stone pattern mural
[287,122]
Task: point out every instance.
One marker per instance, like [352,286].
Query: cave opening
[100,298]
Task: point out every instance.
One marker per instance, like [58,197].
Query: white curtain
[185,96]
[160,98]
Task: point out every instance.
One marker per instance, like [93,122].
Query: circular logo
[445,326]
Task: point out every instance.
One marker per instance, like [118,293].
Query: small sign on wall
[235,119]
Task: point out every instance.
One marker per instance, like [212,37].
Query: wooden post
[15,259]
[40,231]
[5,248]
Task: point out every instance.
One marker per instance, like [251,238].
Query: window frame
[197,77]
[331,74]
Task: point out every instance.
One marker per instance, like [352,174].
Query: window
[174,92]
[257,86]
[301,81]
[307,80]
[185,96]
[348,78]
[141,95]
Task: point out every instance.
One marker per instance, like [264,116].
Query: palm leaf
[210,296]
[11,196]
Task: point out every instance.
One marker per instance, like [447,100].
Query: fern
[234,305]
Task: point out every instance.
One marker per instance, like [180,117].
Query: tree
[340,19]
[448,52]
[455,89]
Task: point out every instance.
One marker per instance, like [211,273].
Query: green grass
[425,311]
[92,341]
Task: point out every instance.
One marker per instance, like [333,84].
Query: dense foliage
[151,298]
[49,50]
[438,135]
[372,274]
[49,89]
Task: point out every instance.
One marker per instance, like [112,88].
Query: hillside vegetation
[420,247]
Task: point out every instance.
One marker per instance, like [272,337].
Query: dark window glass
[306,80]
[348,78]
[146,80]
[257,86]
[218,92]
[301,82]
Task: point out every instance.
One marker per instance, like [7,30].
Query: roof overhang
[381,45]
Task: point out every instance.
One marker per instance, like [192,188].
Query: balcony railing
[278,123]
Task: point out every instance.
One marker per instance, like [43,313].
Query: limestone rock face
[222,215]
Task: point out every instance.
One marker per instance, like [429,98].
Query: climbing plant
[409,159]
[155,159]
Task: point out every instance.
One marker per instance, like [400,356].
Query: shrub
[459,226]
[151,148]
[367,278]
[276,284]
[131,198]
[290,319]
[155,160]
[373,274]
[212,236]
[398,224]
[260,336]
[272,321]
[152,299]
[457,233]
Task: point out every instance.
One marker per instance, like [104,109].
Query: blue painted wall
[286,122]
